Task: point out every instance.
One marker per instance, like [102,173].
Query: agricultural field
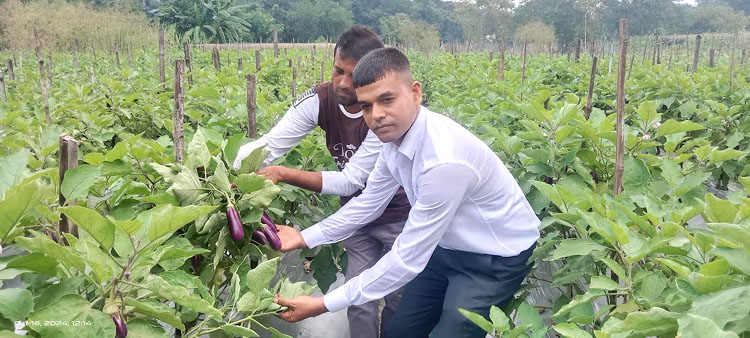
[668,255]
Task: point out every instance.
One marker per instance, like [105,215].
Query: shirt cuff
[313,236]
[336,300]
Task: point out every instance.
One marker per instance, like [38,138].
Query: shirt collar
[413,138]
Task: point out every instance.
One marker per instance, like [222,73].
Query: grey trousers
[364,249]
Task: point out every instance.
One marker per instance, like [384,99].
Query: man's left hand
[301,307]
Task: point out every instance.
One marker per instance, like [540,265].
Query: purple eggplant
[265,219]
[595,176]
[548,180]
[259,237]
[121,329]
[196,262]
[235,224]
[273,238]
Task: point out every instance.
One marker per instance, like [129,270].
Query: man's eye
[387,100]
[339,71]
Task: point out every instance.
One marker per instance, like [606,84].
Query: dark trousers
[457,279]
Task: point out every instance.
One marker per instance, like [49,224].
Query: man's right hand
[291,238]
[274,173]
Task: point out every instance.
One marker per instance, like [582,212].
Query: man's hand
[291,238]
[274,173]
[300,307]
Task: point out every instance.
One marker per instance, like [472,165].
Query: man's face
[342,80]
[390,105]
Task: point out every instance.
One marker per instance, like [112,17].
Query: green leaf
[671,127]
[477,319]
[635,175]
[287,289]
[499,320]
[197,151]
[585,298]
[187,187]
[671,172]
[723,306]
[732,233]
[239,331]
[233,145]
[17,203]
[260,277]
[719,156]
[247,183]
[56,291]
[692,326]
[155,310]
[78,181]
[140,328]
[247,303]
[116,168]
[654,322]
[99,227]
[41,243]
[70,309]
[117,152]
[737,258]
[34,261]
[569,330]
[551,193]
[603,283]
[180,295]
[576,247]
[260,198]
[220,178]
[254,161]
[164,171]
[94,158]
[12,168]
[16,304]
[165,219]
[528,315]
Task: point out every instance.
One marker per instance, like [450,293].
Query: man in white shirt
[333,106]
[470,230]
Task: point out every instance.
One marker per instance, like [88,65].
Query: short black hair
[356,41]
[375,65]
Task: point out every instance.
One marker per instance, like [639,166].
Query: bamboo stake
[252,127]
[619,160]
[178,136]
[68,160]
[257,60]
[589,99]
[697,53]
[162,75]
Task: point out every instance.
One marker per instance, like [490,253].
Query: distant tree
[535,32]
[412,33]
[220,21]
[738,5]
[308,20]
[718,18]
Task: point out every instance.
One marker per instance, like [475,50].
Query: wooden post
[43,86]
[645,50]
[658,53]
[68,160]
[252,127]
[179,96]
[12,74]
[294,82]
[619,159]
[523,65]
[697,52]
[93,77]
[669,66]
[744,53]
[75,55]
[275,43]
[312,55]
[188,62]
[491,57]
[289,63]
[322,71]
[215,57]
[299,63]
[656,46]
[2,86]
[589,102]
[161,58]
[239,64]
[117,54]
[630,68]
[711,57]
[578,50]
[257,60]
[130,56]
[731,61]
[49,71]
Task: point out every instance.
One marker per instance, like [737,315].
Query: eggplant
[595,176]
[265,219]
[52,235]
[235,224]
[548,180]
[121,329]
[273,238]
[196,261]
[259,237]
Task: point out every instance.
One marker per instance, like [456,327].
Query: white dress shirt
[301,119]
[462,197]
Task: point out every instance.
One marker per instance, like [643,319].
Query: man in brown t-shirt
[333,106]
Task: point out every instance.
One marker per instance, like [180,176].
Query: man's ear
[416,91]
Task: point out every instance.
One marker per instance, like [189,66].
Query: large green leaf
[187,187]
[569,330]
[477,319]
[180,295]
[254,161]
[671,127]
[16,304]
[635,175]
[11,169]
[53,293]
[99,227]
[725,155]
[247,183]
[220,178]
[654,322]
[197,151]
[287,289]
[739,259]
[76,311]
[576,247]
[692,326]
[260,277]
[78,181]
[35,261]
[155,310]
[40,243]
[236,330]
[165,219]
[17,203]
[723,306]
[140,328]
[585,298]
[260,198]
